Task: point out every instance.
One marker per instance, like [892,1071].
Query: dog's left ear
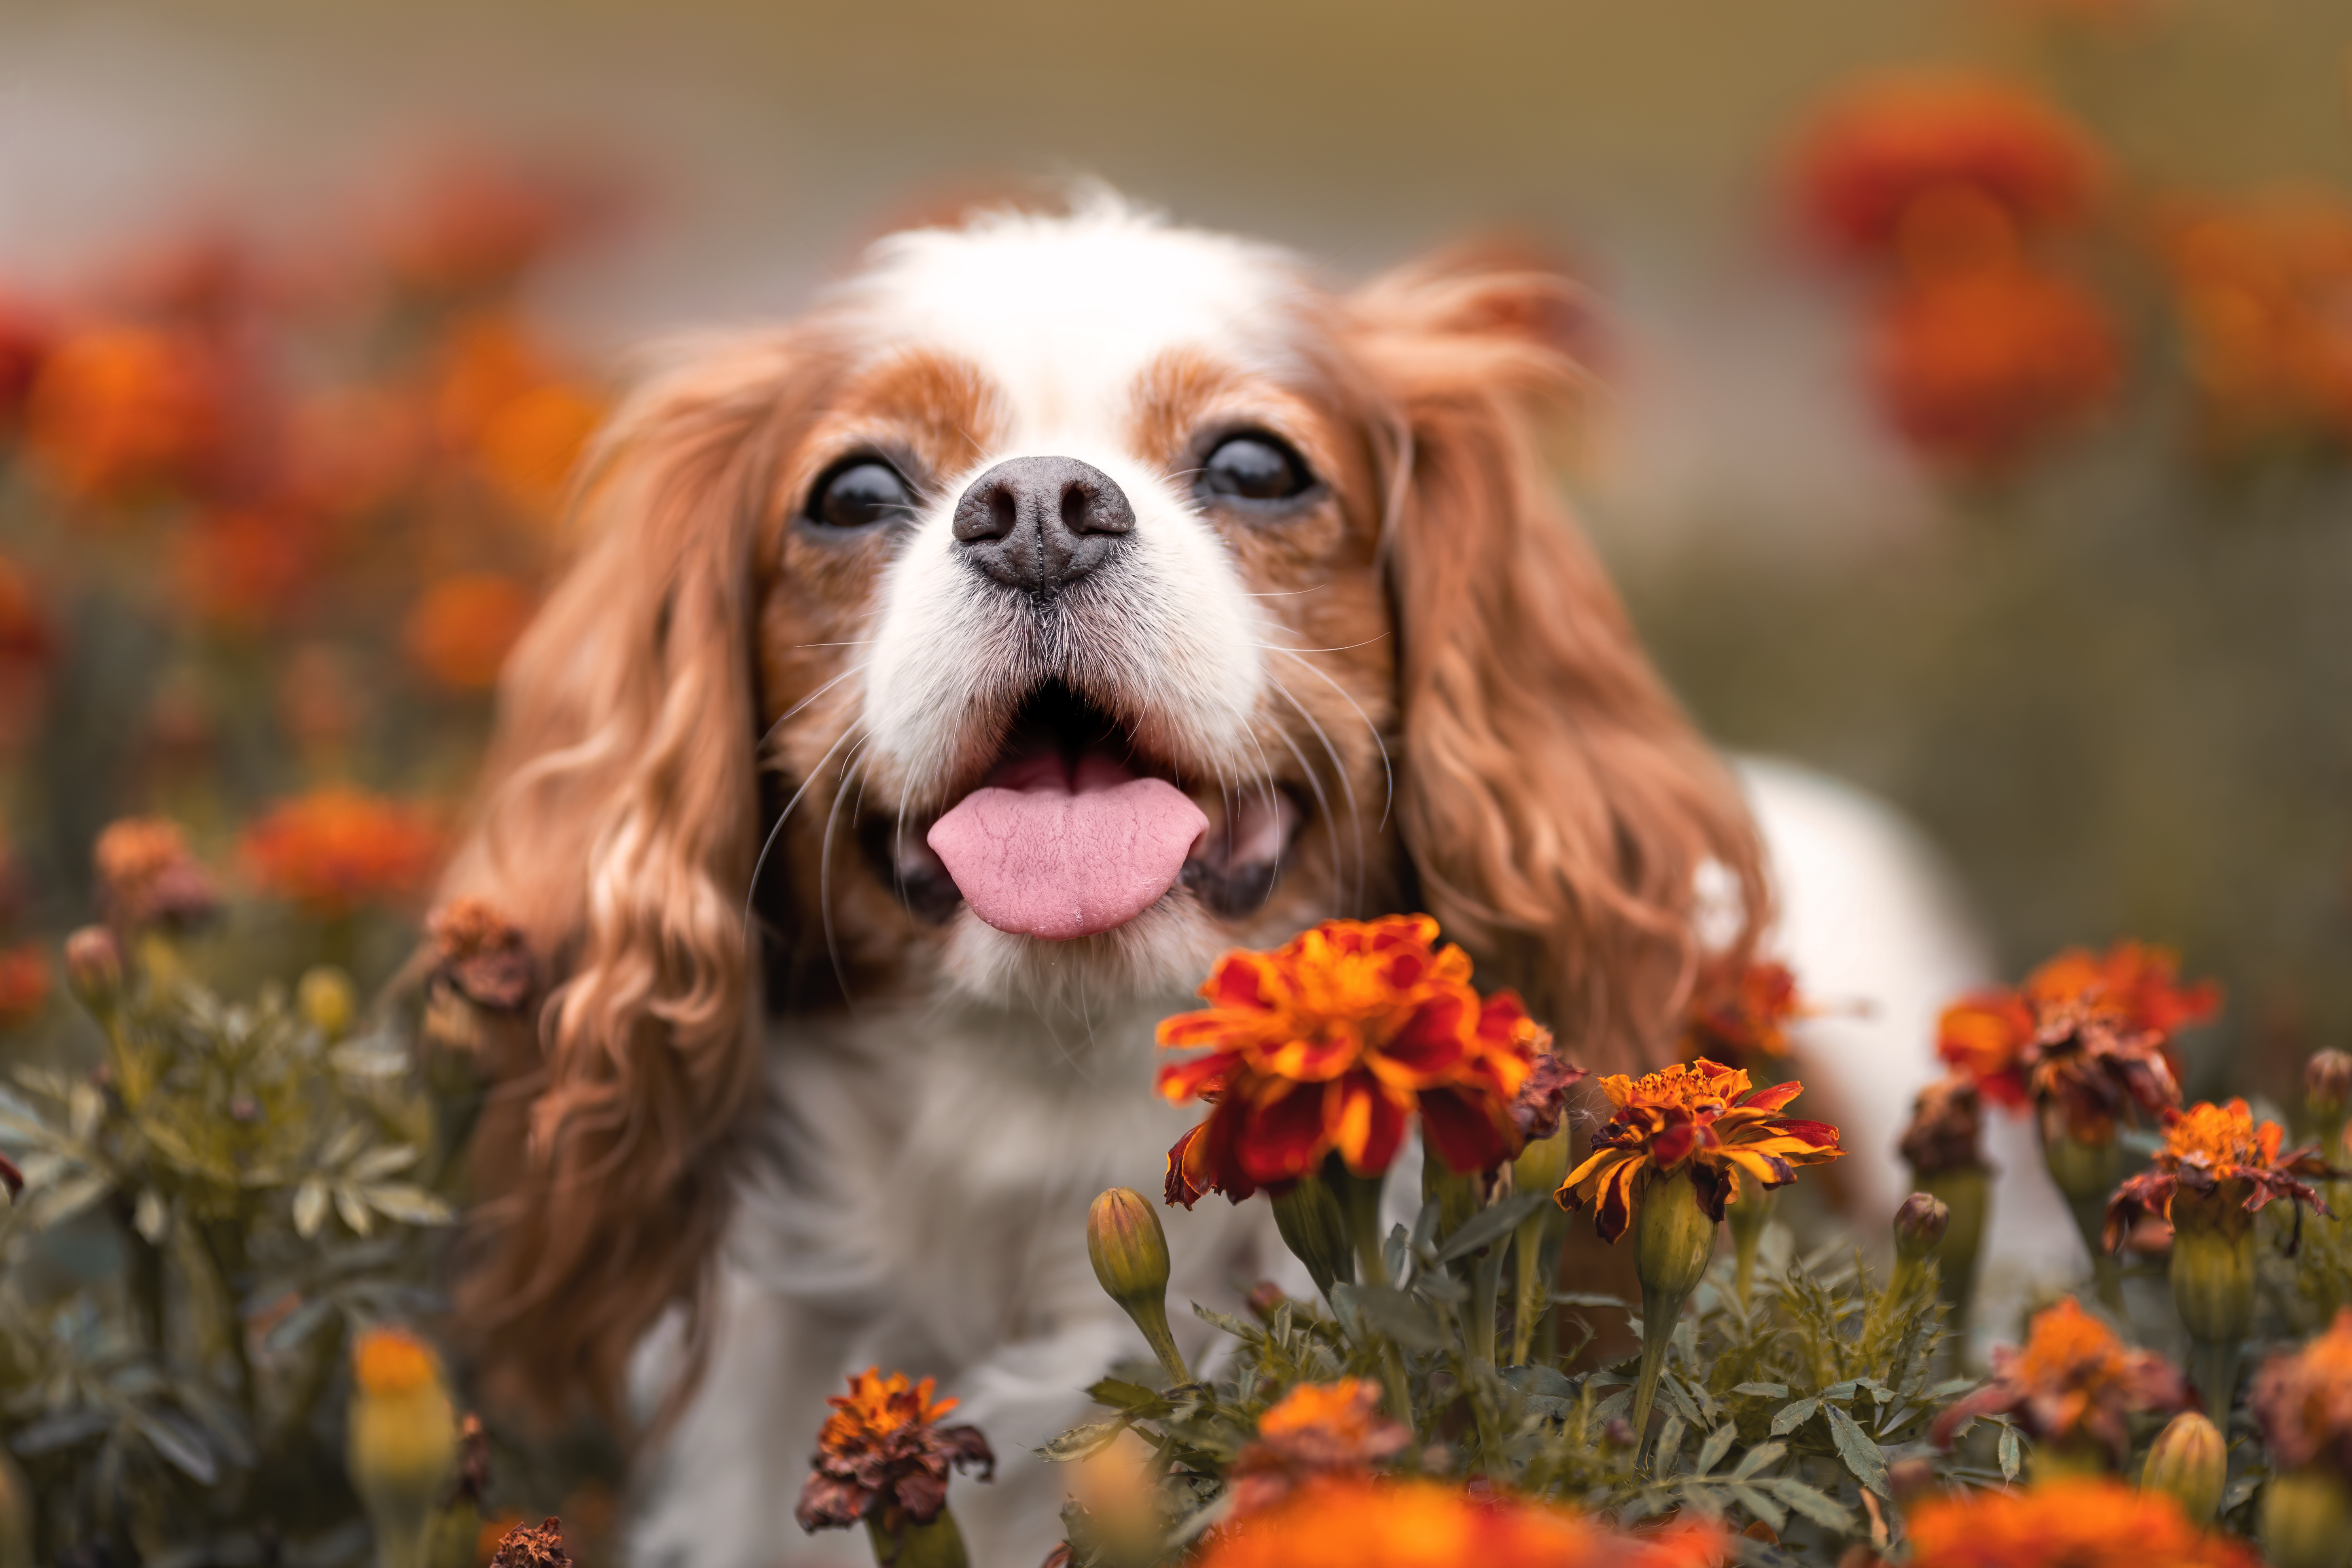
[1555,804]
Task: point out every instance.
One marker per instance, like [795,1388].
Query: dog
[943,680]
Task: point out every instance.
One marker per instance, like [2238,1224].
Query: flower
[2190,1460]
[481,954]
[2073,1381]
[26,647]
[24,984]
[401,1440]
[1700,1117]
[2070,1524]
[2302,1400]
[1976,370]
[119,410]
[1537,1109]
[524,1547]
[1742,1012]
[1899,140]
[1317,1428]
[1328,1045]
[25,337]
[1947,1128]
[335,849]
[2217,1150]
[2084,1037]
[147,877]
[882,1448]
[1360,1522]
[1919,1226]
[461,628]
[2263,290]
[249,568]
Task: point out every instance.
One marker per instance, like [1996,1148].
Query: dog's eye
[859,493]
[1255,466]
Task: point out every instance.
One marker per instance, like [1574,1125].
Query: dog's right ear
[617,828]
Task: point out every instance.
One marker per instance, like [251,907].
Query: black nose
[1041,523]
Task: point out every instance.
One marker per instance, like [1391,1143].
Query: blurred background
[1980,408]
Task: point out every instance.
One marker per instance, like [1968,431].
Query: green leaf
[381,1162]
[1761,1506]
[1862,1455]
[1763,1390]
[1590,1298]
[1079,1441]
[2010,1459]
[1491,1225]
[1763,1456]
[1812,1502]
[1239,1327]
[1670,1442]
[1399,1317]
[183,1445]
[1792,1417]
[1950,1388]
[1719,1443]
[407,1203]
[149,1217]
[1535,1378]
[352,1207]
[67,1199]
[1131,1397]
[309,1207]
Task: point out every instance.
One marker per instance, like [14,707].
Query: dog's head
[1067,599]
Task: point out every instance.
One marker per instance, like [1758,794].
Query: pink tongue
[1057,857]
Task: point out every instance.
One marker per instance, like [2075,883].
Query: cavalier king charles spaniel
[943,680]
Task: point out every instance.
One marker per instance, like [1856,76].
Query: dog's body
[1066,600]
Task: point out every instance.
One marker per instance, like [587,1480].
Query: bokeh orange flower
[2073,1383]
[1742,1012]
[24,984]
[249,568]
[1330,1045]
[25,337]
[1360,1522]
[2217,1150]
[499,400]
[2067,1523]
[147,876]
[883,1449]
[460,629]
[337,849]
[27,645]
[1317,1428]
[118,410]
[1702,1117]
[2302,1400]
[2263,290]
[1875,154]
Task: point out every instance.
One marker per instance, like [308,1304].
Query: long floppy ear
[617,828]
[1556,804]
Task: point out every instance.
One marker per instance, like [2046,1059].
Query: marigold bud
[327,1000]
[1315,1230]
[1919,1226]
[2189,1461]
[2307,1518]
[1673,1237]
[1541,1164]
[94,967]
[403,1441]
[2327,1082]
[1130,1252]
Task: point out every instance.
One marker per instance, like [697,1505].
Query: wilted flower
[1700,1119]
[336,849]
[2216,1153]
[1742,1012]
[1314,1429]
[24,984]
[1360,1522]
[2073,1384]
[94,966]
[1978,369]
[1894,142]
[1329,1044]
[1947,1129]
[481,954]
[2303,1401]
[526,1547]
[1537,1109]
[882,1449]
[147,877]
[2075,1523]
[459,630]
[120,410]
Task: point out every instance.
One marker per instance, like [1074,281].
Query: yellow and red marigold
[2070,1524]
[1330,1045]
[1742,1012]
[883,1449]
[1700,1117]
[2073,1383]
[2084,1037]
[1316,1429]
[1361,1522]
[337,849]
[2217,1150]
[2304,1402]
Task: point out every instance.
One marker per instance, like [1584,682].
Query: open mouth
[1074,830]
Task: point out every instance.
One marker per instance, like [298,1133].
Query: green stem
[1359,1200]
[1527,1303]
[1659,1312]
[899,1543]
[2213,1369]
[1152,1316]
[1485,1285]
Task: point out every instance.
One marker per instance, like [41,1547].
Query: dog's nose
[1040,523]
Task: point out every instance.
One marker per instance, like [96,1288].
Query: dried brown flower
[524,1547]
[882,1450]
[482,955]
[1947,1129]
[147,877]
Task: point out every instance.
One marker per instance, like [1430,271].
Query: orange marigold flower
[389,1361]
[118,410]
[2071,1523]
[2073,1381]
[24,337]
[24,984]
[2217,1150]
[2263,293]
[336,849]
[1979,368]
[883,1449]
[2084,1039]
[2303,1401]
[1316,1429]
[469,225]
[1330,1045]
[247,568]
[1742,1012]
[1871,156]
[1360,1522]
[147,877]
[1699,1115]
[481,954]
[459,630]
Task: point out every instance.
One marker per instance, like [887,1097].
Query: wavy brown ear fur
[618,829]
[1554,801]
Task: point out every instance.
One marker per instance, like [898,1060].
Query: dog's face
[1073,648]
[1063,600]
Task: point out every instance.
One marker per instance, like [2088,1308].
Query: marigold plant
[1364,1523]
[2218,1150]
[883,1451]
[338,849]
[2070,1524]
[1314,1429]
[1742,1012]
[2072,1383]
[146,875]
[2302,1401]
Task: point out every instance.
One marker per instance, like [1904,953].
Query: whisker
[787,713]
[1346,787]
[1388,772]
[849,768]
[1322,801]
[1343,648]
[1288,593]
[760,865]
[862,642]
